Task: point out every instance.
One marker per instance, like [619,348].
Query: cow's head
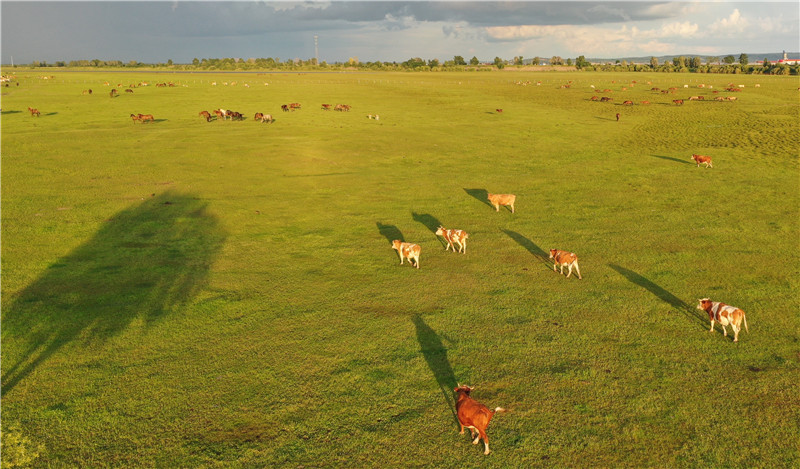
[396,244]
[463,388]
[440,231]
[704,304]
[553,253]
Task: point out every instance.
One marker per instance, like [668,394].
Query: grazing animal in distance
[326,107]
[205,114]
[502,199]
[135,117]
[474,415]
[453,237]
[113,92]
[702,159]
[499,111]
[410,251]
[678,101]
[146,118]
[220,114]
[565,258]
[285,107]
[627,103]
[725,315]
[34,112]
[128,90]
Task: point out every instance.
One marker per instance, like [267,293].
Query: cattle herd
[470,413]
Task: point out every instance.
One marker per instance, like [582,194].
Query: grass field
[186,293]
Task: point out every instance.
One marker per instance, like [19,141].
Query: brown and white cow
[474,415]
[502,199]
[565,258]
[407,250]
[453,237]
[725,315]
[702,159]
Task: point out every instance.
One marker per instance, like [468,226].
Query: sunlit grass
[184,293]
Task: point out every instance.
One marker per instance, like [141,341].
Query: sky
[159,31]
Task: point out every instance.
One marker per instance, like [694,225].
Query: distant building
[786,60]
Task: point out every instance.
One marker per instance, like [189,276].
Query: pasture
[183,293]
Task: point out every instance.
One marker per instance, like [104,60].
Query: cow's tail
[499,409]
[744,318]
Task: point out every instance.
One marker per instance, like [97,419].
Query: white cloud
[732,25]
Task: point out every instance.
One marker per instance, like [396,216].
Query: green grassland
[186,293]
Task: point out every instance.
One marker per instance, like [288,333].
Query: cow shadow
[146,263]
[530,246]
[664,295]
[155,121]
[435,354]
[430,222]
[480,194]
[10,112]
[52,113]
[670,158]
[390,232]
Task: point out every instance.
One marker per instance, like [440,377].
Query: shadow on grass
[435,354]
[480,194]
[664,295]
[10,112]
[390,232]
[531,247]
[669,158]
[430,222]
[145,263]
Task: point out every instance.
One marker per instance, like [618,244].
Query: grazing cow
[696,98]
[605,99]
[112,93]
[719,98]
[294,106]
[326,107]
[724,314]
[135,117]
[474,415]
[34,112]
[702,159]
[645,102]
[407,250]
[627,103]
[499,111]
[595,98]
[128,90]
[206,115]
[146,118]
[453,237]
[565,258]
[731,98]
[220,113]
[258,116]
[502,199]
[284,107]
[267,118]
[678,101]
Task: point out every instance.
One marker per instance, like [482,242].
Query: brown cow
[129,90]
[206,115]
[702,159]
[284,107]
[34,112]
[627,103]
[565,258]
[146,118]
[678,101]
[474,415]
[407,250]
[502,199]
[605,99]
[326,107]
[135,117]
[724,314]
[453,237]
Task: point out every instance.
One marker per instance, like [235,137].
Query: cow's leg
[512,208]
[724,330]
[416,261]
[712,326]
[735,332]
[497,208]
[485,443]
[569,270]
[578,270]
[401,259]
[462,428]
[464,246]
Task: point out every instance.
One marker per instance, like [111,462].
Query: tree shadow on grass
[145,263]
[480,194]
[669,158]
[532,248]
[664,295]
[435,354]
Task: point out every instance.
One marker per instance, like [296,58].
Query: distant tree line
[727,64]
